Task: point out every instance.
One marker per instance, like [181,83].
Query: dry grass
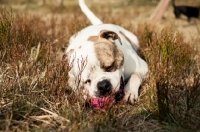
[34,95]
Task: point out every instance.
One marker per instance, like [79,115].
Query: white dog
[102,55]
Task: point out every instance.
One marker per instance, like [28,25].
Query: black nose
[104,87]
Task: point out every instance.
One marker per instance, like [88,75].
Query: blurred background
[134,11]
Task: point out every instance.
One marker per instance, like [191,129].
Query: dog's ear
[110,35]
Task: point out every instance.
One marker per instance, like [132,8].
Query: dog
[103,56]
[188,11]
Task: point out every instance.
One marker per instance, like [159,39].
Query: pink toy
[103,103]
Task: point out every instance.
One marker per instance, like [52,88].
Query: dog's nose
[104,87]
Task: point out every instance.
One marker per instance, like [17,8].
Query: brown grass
[35,96]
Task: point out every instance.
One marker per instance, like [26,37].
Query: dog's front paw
[131,89]
[131,96]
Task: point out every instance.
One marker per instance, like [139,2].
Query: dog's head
[97,64]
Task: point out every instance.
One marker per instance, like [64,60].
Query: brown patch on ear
[109,55]
[109,35]
[119,58]
[93,38]
[125,36]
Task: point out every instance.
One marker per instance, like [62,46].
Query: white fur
[133,70]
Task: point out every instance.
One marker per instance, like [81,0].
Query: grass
[35,96]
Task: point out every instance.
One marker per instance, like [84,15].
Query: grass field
[35,96]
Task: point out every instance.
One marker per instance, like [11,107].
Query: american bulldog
[103,56]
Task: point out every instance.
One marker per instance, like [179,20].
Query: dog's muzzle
[104,87]
[106,101]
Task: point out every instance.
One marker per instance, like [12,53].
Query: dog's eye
[87,81]
[109,68]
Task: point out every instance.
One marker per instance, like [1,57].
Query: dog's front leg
[132,87]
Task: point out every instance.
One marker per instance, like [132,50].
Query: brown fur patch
[110,56]
[70,52]
[93,38]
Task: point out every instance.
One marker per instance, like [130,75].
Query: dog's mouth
[108,100]
[120,93]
